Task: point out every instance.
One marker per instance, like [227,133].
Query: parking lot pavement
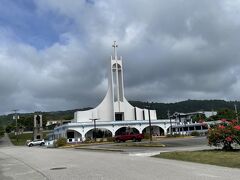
[23,163]
[13,168]
[172,144]
[43,163]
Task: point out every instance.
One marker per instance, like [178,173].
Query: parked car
[38,142]
[128,136]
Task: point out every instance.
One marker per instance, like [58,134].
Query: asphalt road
[61,164]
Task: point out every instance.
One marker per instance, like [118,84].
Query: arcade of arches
[73,135]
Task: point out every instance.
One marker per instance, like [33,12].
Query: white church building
[114,106]
[114,114]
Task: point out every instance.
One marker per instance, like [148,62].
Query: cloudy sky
[54,54]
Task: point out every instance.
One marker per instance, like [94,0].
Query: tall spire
[115,49]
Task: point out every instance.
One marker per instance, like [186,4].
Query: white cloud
[171,51]
[188,44]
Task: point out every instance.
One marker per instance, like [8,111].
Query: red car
[128,136]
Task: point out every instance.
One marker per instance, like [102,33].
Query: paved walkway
[5,141]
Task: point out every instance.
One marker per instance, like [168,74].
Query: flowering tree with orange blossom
[224,134]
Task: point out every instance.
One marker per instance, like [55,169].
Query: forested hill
[26,119]
[186,106]
[162,108]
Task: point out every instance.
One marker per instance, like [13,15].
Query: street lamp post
[185,127]
[170,122]
[150,124]
[95,129]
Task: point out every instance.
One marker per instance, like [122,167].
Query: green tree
[2,131]
[224,114]
[9,128]
[198,117]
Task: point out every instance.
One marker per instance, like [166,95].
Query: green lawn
[22,138]
[214,157]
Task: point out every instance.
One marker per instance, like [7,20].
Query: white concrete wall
[153,114]
[146,114]
[104,111]
[128,110]
[139,113]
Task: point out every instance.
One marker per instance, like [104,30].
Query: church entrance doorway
[119,116]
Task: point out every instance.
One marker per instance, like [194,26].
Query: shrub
[99,139]
[88,140]
[110,139]
[60,142]
[174,135]
[9,128]
[224,134]
[195,133]
[146,136]
[2,131]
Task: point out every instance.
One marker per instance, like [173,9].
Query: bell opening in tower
[117,82]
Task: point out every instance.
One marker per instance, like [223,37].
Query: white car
[37,142]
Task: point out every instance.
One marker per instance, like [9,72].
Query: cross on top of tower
[115,49]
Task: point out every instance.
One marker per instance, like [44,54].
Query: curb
[99,149]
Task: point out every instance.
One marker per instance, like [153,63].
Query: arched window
[117,82]
[116,66]
[38,119]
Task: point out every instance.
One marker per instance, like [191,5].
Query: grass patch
[213,157]
[22,138]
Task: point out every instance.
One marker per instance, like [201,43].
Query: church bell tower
[117,84]
[38,127]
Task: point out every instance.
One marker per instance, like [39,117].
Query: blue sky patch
[30,27]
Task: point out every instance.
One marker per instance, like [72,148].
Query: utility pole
[16,119]
[95,128]
[168,113]
[150,124]
[235,106]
